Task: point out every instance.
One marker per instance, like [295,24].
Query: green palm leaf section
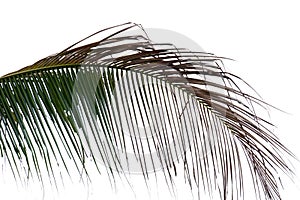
[80,103]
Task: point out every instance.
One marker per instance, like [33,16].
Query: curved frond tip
[137,106]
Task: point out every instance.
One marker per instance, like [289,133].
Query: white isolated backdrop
[262,36]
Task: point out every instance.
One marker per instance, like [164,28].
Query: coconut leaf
[125,93]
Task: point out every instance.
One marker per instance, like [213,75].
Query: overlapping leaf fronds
[126,93]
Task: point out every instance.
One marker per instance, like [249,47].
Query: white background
[263,36]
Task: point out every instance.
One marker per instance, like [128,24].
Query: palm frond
[126,94]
